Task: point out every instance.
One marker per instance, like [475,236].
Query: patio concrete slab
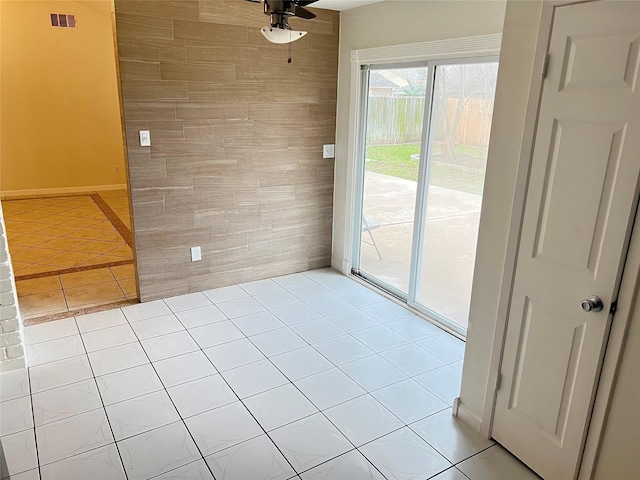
[451,234]
[392,200]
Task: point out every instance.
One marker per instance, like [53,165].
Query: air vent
[63,20]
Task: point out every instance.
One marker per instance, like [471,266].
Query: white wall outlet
[145,138]
[328,151]
[196,254]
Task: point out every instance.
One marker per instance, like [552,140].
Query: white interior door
[582,196]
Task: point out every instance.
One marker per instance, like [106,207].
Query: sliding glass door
[395,101]
[424,146]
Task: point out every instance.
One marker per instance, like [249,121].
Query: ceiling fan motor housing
[279,12]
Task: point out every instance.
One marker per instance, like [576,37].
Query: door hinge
[545,66]
[498,381]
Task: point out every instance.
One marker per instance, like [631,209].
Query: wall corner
[12,347]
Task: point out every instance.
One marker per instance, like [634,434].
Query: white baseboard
[468,417]
[59,191]
[336,265]
[341,266]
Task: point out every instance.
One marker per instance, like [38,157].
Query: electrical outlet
[328,151]
[145,138]
[196,254]
[117,169]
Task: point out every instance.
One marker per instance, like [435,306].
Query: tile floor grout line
[234,392]
[181,466]
[62,288]
[33,417]
[477,453]
[335,366]
[103,406]
[91,286]
[64,295]
[174,314]
[72,249]
[367,392]
[48,389]
[71,416]
[118,283]
[241,400]
[320,411]
[408,377]
[165,388]
[49,422]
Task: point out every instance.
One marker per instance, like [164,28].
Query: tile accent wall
[12,354]
[236,161]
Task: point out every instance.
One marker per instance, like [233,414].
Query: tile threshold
[85,268]
[77,312]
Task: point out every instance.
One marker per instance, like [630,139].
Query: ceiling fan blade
[304,13]
[304,3]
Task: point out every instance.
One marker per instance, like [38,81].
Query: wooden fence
[393,120]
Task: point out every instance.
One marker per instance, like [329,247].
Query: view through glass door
[420,213]
[394,121]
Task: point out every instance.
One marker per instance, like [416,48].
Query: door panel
[457,158]
[597,146]
[582,195]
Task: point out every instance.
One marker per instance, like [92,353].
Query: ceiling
[342,4]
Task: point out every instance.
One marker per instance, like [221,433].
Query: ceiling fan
[279,11]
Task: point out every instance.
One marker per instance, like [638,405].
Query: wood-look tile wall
[236,161]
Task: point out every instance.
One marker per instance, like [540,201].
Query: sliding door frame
[365,71]
[415,276]
[420,210]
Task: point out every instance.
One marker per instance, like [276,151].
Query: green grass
[395,161]
[470,150]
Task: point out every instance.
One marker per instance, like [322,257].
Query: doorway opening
[65,195]
[423,150]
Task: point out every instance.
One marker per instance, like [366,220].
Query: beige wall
[512,94]
[236,161]
[394,23]
[61,126]
[11,330]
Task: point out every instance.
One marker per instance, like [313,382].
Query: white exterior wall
[12,350]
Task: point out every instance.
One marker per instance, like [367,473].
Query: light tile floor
[52,235]
[255,381]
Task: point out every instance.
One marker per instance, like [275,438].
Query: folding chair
[368,225]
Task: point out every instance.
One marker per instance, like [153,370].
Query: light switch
[196,254]
[328,151]
[145,138]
